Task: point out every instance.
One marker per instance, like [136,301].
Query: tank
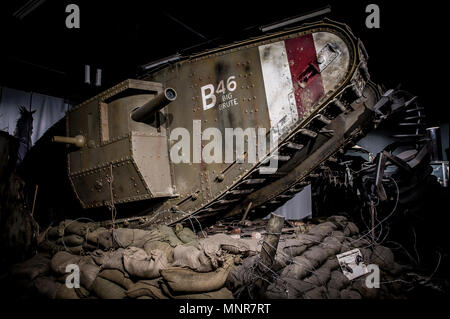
[305,93]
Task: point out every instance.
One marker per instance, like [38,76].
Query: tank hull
[305,88]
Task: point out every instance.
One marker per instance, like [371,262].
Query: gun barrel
[78,140]
[142,113]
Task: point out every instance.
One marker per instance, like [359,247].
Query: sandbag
[293,247]
[82,292]
[160,245]
[332,264]
[106,289]
[309,239]
[339,221]
[133,237]
[109,259]
[316,293]
[339,235]
[299,269]
[338,280]
[352,228]
[333,293]
[316,255]
[60,261]
[148,288]
[106,240]
[383,257]
[319,277]
[87,247]
[359,285]
[361,242]
[117,277]
[192,258]
[55,232]
[350,294]
[92,236]
[167,234]
[38,265]
[70,240]
[347,232]
[323,229]
[252,247]
[186,280]
[64,292]
[278,292]
[46,286]
[367,254]
[70,293]
[241,275]
[245,246]
[138,264]
[287,288]
[186,235]
[88,273]
[331,245]
[212,247]
[78,228]
[222,293]
[53,248]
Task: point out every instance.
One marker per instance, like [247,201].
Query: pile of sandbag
[171,262]
[306,266]
[130,263]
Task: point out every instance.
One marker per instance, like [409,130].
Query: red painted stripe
[306,79]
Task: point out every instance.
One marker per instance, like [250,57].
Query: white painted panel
[298,207]
[335,71]
[278,86]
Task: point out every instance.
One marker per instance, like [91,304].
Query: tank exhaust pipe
[142,113]
[78,141]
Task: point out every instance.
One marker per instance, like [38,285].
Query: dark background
[38,53]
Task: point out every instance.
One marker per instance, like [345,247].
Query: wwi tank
[152,144]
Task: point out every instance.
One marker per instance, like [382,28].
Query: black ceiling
[38,53]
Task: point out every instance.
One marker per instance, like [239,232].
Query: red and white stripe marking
[293,80]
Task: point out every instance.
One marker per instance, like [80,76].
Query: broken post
[269,249]
[242,222]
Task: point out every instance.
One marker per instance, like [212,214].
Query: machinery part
[242,222]
[434,134]
[440,170]
[379,177]
[78,141]
[143,113]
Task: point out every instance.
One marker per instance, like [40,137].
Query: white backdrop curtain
[297,207]
[49,110]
